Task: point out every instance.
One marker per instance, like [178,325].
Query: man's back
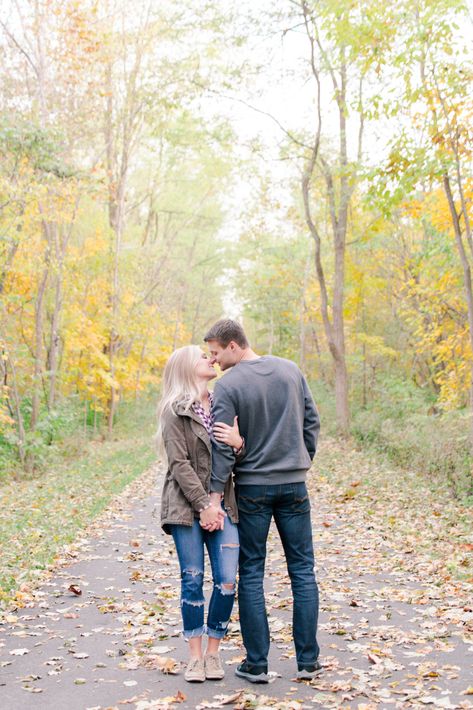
[276,416]
[280,424]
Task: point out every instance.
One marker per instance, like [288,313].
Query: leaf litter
[395,580]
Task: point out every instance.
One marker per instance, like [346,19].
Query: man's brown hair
[226,330]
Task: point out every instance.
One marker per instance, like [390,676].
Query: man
[279,423]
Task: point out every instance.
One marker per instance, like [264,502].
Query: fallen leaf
[374,659]
[161,649]
[167,665]
[30,689]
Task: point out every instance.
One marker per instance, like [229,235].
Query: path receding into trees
[396,623]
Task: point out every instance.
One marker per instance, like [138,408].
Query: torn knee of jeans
[193,572]
[199,602]
[226,588]
[229,545]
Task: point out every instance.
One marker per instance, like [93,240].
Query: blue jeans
[289,504]
[223,548]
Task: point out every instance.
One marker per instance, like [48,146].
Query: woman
[185,429]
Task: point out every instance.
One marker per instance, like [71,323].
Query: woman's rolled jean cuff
[194,633]
[216,633]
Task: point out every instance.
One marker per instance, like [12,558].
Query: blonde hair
[179,386]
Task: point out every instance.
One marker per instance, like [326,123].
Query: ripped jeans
[223,549]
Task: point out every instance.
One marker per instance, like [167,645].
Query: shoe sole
[261,678]
[194,680]
[309,676]
[215,677]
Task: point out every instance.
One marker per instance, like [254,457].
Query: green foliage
[24,139]
[42,513]
[403,424]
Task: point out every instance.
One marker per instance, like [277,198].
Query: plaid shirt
[207,418]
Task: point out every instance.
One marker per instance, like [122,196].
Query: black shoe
[309,672]
[255,674]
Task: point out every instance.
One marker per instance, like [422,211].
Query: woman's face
[204,369]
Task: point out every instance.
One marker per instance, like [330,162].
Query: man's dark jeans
[289,504]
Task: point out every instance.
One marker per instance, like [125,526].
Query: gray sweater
[277,417]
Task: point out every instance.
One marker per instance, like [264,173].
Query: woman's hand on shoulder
[226,434]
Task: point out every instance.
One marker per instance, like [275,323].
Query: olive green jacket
[187,482]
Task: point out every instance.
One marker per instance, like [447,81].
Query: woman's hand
[213,517]
[230,435]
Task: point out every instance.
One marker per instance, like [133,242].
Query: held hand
[214,526]
[216,500]
[229,435]
[212,518]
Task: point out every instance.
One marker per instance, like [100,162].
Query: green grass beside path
[39,515]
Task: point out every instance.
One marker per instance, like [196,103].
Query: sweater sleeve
[223,456]
[311,420]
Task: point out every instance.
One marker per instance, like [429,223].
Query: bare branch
[256,109]
[20,48]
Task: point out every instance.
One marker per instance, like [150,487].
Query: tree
[346,44]
[436,149]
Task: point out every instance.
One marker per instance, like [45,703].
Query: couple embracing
[261,425]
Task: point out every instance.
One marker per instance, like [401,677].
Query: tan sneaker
[213,667]
[195,671]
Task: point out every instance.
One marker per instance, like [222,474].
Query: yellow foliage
[437,210]
[376,346]
[5,419]
[412,208]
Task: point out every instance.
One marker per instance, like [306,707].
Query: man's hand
[212,518]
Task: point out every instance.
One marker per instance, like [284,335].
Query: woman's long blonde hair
[180,386]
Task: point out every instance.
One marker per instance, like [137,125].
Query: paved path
[388,639]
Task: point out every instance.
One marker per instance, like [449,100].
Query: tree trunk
[6,363]
[339,201]
[302,313]
[341,398]
[54,342]
[271,334]
[322,371]
[467,283]
[116,215]
[119,144]
[17,414]
[140,365]
[341,374]
[38,346]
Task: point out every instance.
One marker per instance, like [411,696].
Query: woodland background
[306,166]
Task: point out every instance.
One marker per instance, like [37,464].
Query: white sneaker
[213,667]
[309,672]
[195,671]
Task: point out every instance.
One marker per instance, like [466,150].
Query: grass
[401,425]
[40,514]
